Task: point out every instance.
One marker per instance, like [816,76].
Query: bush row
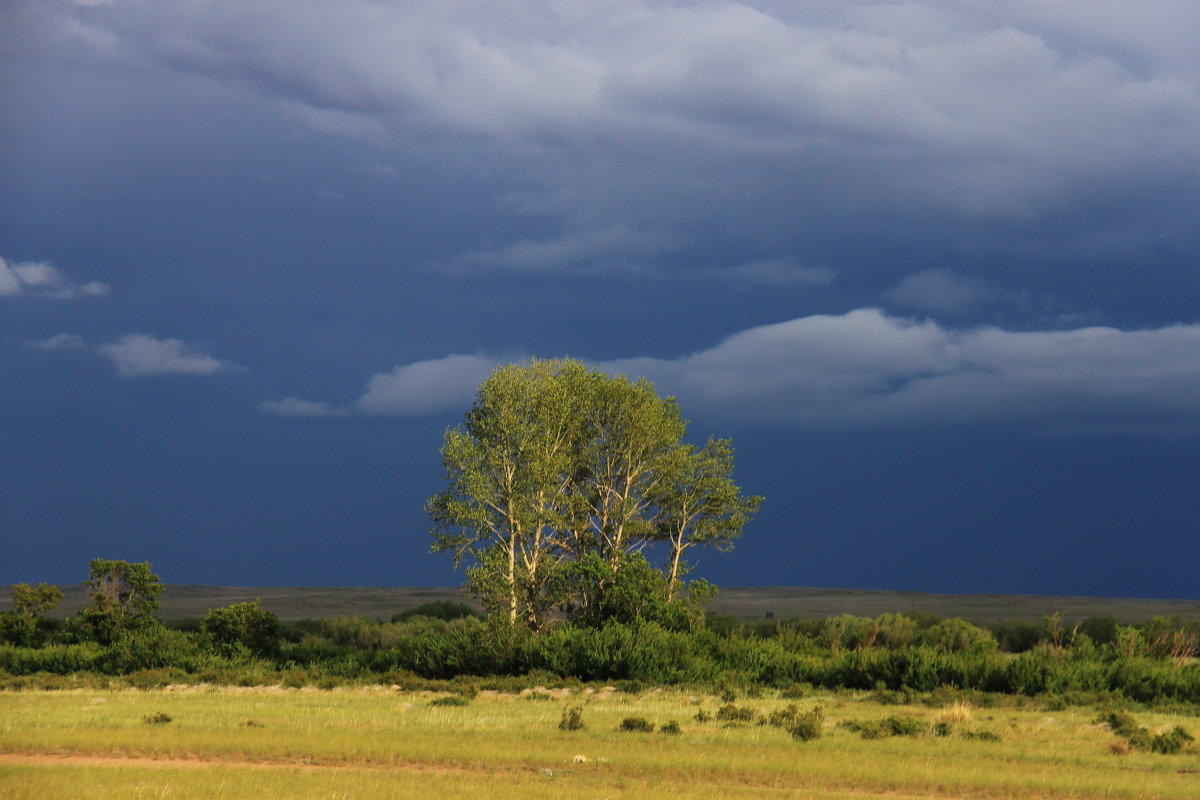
[643,652]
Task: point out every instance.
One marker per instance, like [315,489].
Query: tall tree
[508,469]
[559,473]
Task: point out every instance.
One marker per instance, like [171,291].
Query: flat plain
[753,603]
[376,742]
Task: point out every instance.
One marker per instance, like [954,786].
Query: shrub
[437,609]
[572,719]
[808,726]
[1019,636]
[905,726]
[731,713]
[671,728]
[157,718]
[782,717]
[955,636]
[242,627]
[637,724]
[452,700]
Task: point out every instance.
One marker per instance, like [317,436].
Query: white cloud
[868,369]
[422,387]
[42,279]
[426,386]
[138,354]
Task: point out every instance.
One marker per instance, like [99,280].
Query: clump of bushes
[730,713]
[670,728]
[452,700]
[157,718]
[437,609]
[636,724]
[888,726]
[1139,738]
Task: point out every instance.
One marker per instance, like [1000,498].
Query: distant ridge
[749,603]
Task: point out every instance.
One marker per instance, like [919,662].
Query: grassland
[370,742]
[743,603]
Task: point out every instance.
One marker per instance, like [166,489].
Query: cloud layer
[866,368]
[644,126]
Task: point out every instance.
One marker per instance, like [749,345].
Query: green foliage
[242,628]
[671,728]
[452,700]
[1102,630]
[636,724]
[123,597]
[1019,636]
[436,609]
[956,635]
[848,632]
[35,601]
[896,630]
[157,718]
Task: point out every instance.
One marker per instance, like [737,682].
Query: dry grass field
[745,603]
[375,742]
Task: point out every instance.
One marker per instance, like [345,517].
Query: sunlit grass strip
[1059,755]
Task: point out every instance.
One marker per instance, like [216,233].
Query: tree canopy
[566,485]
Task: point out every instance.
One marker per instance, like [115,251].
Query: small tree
[30,605]
[242,627]
[123,596]
[35,601]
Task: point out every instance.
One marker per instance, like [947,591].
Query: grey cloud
[588,250]
[975,109]
[41,279]
[138,354]
[941,291]
[774,272]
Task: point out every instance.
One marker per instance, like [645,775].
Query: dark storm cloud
[650,126]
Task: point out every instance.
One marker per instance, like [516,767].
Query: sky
[933,265]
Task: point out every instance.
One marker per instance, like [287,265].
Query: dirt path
[173,762]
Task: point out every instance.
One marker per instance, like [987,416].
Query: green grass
[372,742]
